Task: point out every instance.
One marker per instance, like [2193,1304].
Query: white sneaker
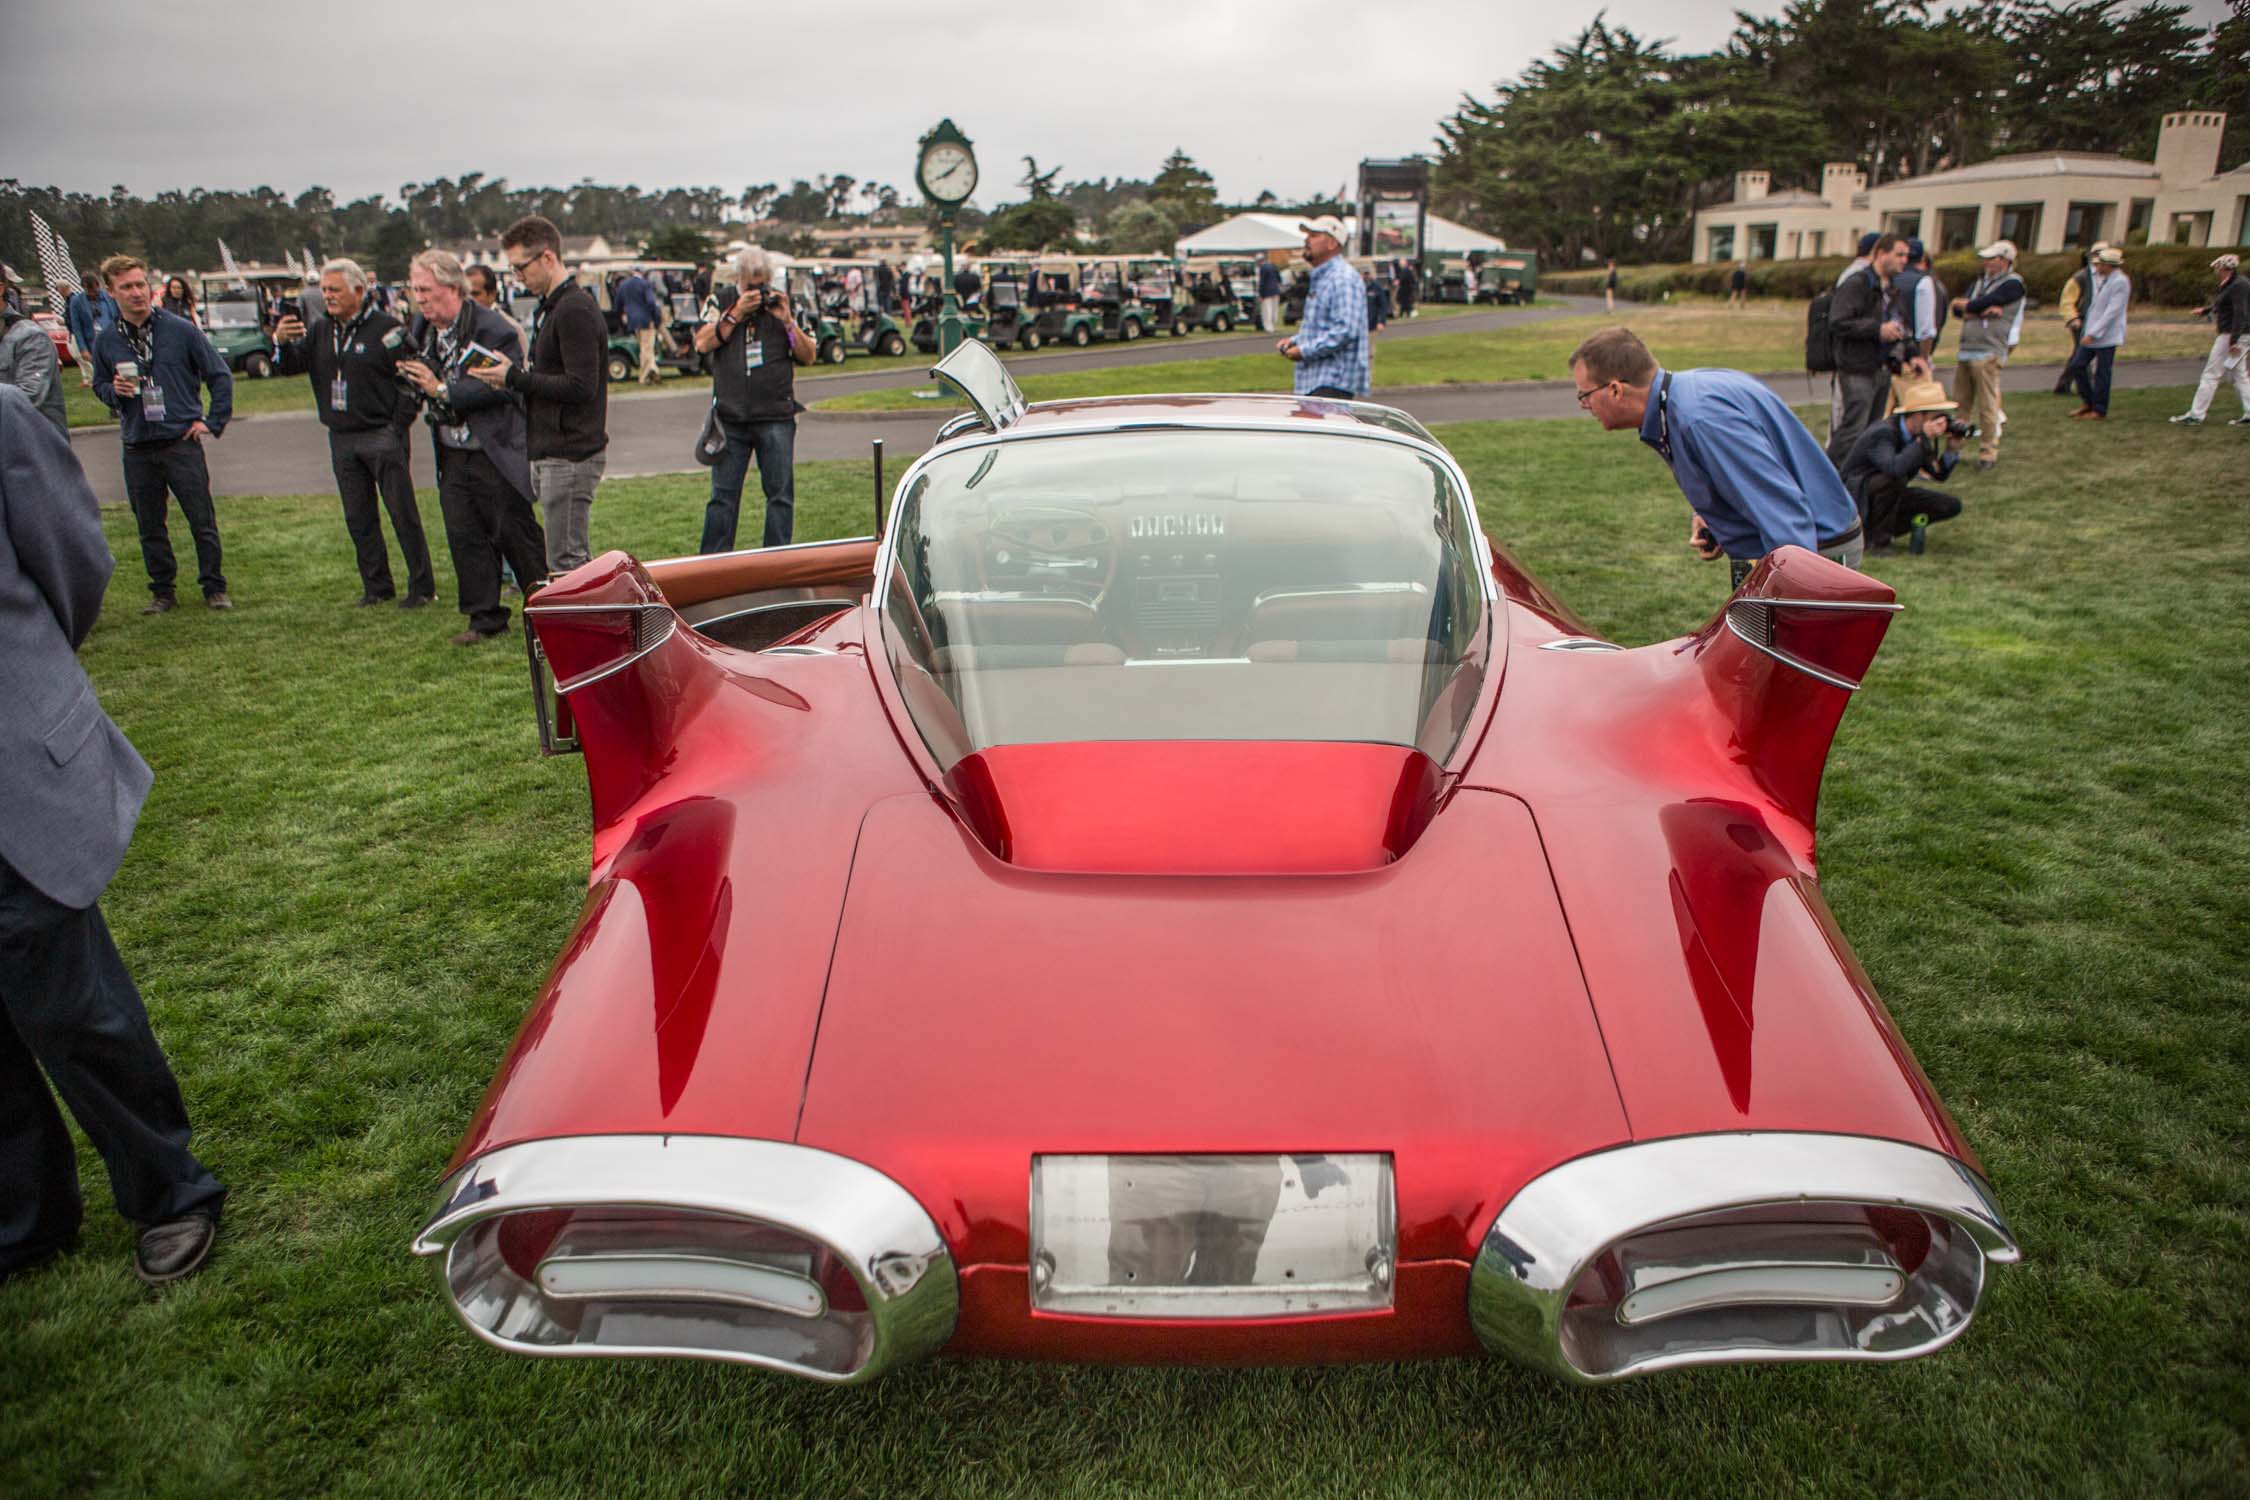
[2187,419]
[2241,421]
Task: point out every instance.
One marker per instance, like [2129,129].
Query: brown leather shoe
[220,600]
[2089,415]
[174,1248]
[160,604]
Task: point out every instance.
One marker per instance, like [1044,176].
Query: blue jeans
[774,445]
[2093,376]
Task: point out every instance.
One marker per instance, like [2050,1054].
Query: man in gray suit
[70,791]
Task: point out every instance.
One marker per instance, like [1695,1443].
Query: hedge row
[2163,275]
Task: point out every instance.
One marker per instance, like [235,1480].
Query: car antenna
[878,487]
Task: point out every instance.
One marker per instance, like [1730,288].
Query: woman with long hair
[179,297]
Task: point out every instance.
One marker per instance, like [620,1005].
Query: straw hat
[2109,257]
[1921,396]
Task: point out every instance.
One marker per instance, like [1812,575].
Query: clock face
[949,172]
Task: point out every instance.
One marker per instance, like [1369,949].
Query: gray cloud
[363,98]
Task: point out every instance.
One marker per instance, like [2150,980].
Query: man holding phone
[150,367]
[352,355]
[753,389]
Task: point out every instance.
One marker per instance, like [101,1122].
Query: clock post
[947,171]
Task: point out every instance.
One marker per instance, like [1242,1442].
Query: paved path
[286,453]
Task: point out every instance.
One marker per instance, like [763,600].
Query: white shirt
[1925,308]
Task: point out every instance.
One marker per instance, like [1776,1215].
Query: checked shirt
[1333,335]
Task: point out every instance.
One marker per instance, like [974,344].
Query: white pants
[1269,313]
[2218,367]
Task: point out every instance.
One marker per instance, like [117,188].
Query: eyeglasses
[518,266]
[1586,396]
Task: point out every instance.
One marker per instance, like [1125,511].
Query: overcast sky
[365,97]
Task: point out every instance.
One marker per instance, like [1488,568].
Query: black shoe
[160,604]
[174,1248]
[28,1261]
[414,601]
[369,601]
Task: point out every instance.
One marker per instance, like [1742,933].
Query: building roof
[2032,164]
[1789,198]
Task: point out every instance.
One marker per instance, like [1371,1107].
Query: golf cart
[1209,303]
[1007,313]
[1449,281]
[238,314]
[803,282]
[1510,276]
[1104,291]
[874,329]
[1156,282]
[1063,317]
[930,307]
[1241,277]
[675,341]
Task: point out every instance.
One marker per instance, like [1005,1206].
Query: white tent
[1255,234]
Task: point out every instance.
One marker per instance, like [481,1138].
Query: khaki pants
[649,371]
[1976,388]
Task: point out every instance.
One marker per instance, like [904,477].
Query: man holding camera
[1753,476]
[1921,438]
[1866,333]
[565,388]
[351,353]
[484,479]
[757,344]
[150,367]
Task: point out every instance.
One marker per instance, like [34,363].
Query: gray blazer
[27,362]
[71,786]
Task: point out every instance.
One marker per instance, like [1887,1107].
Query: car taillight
[584,643]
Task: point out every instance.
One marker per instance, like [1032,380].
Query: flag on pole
[312,267]
[55,266]
[226,258]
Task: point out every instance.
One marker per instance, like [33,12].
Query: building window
[1722,242]
[1907,225]
[2019,222]
[1816,243]
[2191,229]
[1762,237]
[2084,224]
[2136,227]
[2242,221]
[1957,230]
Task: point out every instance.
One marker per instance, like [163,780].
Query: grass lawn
[354,869]
[1762,336]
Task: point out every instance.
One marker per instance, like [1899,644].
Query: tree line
[1610,145]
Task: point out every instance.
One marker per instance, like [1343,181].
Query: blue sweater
[181,361]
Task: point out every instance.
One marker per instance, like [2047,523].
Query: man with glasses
[1754,478]
[564,386]
[755,344]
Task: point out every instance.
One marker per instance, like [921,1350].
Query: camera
[1955,427]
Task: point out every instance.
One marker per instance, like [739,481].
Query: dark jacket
[1269,279]
[71,785]
[1856,312]
[495,418]
[637,303]
[765,394]
[1883,452]
[374,397]
[182,361]
[2230,308]
[567,383]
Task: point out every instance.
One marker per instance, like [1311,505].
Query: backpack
[1820,344]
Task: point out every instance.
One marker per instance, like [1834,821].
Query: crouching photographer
[1922,439]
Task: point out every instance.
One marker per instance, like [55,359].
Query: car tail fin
[622,670]
[1783,658]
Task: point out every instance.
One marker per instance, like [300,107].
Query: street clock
[948,169]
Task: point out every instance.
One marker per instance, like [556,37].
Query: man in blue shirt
[150,367]
[1754,478]
[643,312]
[1330,349]
[86,314]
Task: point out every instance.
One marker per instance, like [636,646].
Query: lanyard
[1664,418]
[142,337]
[339,332]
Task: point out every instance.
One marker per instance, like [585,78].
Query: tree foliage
[1185,192]
[1609,146]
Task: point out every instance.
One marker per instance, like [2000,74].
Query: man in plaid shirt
[1330,349]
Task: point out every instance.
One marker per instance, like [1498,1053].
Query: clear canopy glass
[1184,584]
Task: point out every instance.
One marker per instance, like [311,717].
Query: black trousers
[372,464]
[486,520]
[178,467]
[71,1009]
[1887,507]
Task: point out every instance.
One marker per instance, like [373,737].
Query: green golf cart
[1156,282]
[1063,317]
[1104,291]
[1207,303]
[238,313]
[1508,276]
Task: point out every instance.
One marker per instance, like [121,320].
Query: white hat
[2227,263]
[1327,224]
[1998,250]
[2109,256]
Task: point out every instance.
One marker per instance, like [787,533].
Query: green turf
[1764,336]
[354,868]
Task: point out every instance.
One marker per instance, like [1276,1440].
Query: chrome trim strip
[1580,643]
[900,1262]
[1562,1221]
[834,541]
[1819,674]
[838,601]
[1341,591]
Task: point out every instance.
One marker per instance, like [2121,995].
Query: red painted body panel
[1431,1009]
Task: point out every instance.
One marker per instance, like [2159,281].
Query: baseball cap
[2227,263]
[1327,224]
[1867,242]
[1921,396]
[1998,250]
[1915,250]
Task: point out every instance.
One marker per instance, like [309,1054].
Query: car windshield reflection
[1185,585]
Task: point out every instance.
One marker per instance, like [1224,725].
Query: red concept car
[1181,894]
